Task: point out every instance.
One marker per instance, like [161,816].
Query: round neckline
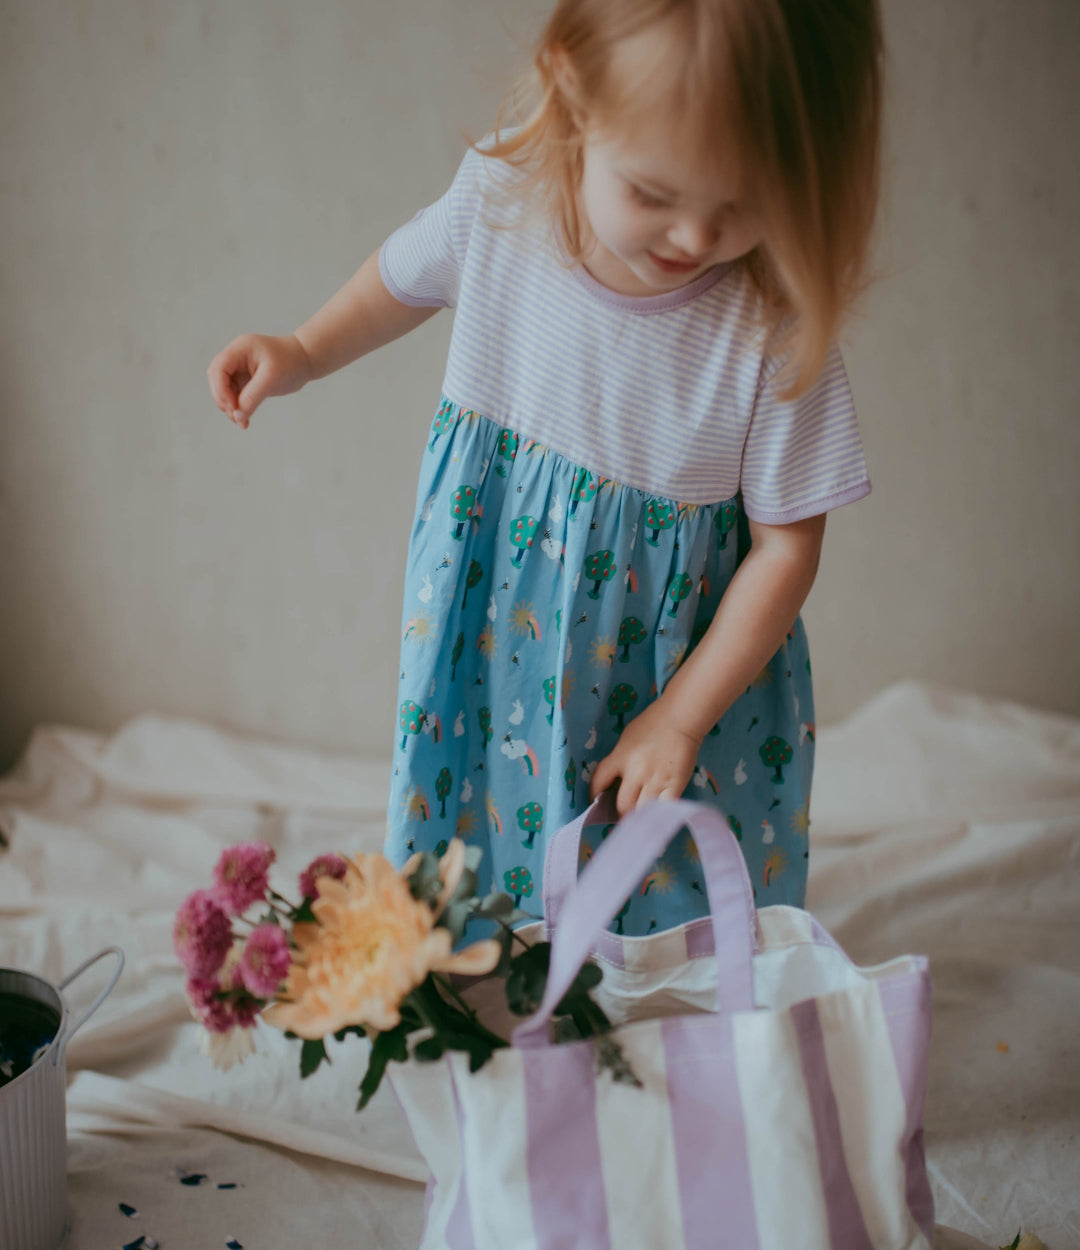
[642,304]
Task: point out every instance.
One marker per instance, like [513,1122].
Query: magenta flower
[202,934]
[265,960]
[330,865]
[241,875]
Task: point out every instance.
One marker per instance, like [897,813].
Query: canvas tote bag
[783,1087]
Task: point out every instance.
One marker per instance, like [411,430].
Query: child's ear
[566,80]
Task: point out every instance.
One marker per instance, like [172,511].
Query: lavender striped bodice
[669,394]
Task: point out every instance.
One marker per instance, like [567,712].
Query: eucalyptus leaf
[454,918]
[424,881]
[496,907]
[466,886]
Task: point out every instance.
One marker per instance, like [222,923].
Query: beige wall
[173,174]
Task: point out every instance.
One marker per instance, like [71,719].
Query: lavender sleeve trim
[813,508]
[395,290]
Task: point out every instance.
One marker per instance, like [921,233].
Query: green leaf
[428,1050]
[342,1034]
[589,977]
[566,1030]
[386,1046]
[303,914]
[527,979]
[473,856]
[312,1053]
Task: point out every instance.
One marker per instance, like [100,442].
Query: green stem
[431,1006]
[449,987]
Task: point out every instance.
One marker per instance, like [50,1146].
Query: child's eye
[646,198]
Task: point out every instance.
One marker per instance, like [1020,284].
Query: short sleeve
[804,456]
[421,261]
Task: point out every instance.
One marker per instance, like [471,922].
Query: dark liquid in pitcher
[25,1026]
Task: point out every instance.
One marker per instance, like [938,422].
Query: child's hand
[253,367]
[653,759]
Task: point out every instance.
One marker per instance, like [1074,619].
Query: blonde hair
[792,88]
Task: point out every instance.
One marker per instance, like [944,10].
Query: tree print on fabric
[444,783]
[599,568]
[411,718]
[549,697]
[631,632]
[680,586]
[445,419]
[530,820]
[621,700]
[583,489]
[472,579]
[518,882]
[522,531]
[508,446]
[570,777]
[659,516]
[462,504]
[775,753]
[726,517]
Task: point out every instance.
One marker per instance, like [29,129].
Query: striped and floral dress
[587,480]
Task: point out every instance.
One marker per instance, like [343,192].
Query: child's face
[659,219]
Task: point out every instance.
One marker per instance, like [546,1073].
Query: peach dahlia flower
[371,944]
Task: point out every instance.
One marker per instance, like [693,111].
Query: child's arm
[363,315]
[657,751]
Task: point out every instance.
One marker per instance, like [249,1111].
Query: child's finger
[251,391]
[605,773]
[627,797]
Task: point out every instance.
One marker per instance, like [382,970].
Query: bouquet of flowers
[368,950]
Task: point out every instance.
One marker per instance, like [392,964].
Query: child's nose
[695,236]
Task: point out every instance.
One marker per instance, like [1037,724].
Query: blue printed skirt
[545,607]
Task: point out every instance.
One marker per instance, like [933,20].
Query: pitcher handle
[108,950]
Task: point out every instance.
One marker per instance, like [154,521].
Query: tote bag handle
[618,865]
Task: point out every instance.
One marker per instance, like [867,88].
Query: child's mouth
[672,266]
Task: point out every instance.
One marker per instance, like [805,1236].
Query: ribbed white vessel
[33,1122]
[33,1136]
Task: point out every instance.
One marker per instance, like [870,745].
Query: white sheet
[942,824]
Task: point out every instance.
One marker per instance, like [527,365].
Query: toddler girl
[643,424]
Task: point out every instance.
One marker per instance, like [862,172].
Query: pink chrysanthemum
[202,934]
[220,1014]
[324,866]
[265,960]
[242,874]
